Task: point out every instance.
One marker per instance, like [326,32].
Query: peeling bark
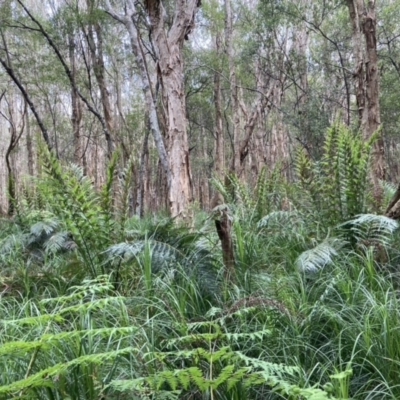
[169,49]
[366,74]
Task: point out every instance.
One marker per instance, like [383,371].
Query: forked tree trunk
[128,19]
[169,49]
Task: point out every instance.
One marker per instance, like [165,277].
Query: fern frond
[107,192]
[125,183]
[372,228]
[320,256]
[280,219]
[60,241]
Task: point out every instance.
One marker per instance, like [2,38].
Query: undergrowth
[98,304]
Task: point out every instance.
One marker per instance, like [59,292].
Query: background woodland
[241,86]
[199,200]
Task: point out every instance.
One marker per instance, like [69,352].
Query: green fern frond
[320,256]
[372,228]
[72,198]
[44,228]
[42,379]
[338,184]
[59,241]
[279,219]
[107,192]
[125,183]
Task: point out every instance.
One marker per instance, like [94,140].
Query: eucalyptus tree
[169,26]
[364,22]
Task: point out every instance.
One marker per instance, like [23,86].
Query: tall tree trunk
[128,19]
[363,18]
[169,49]
[235,163]
[219,130]
[143,179]
[76,109]
[223,223]
[97,58]
[29,146]
[15,135]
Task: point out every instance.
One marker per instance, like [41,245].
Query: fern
[87,215]
[241,369]
[320,256]
[61,330]
[338,184]
[371,229]
[196,262]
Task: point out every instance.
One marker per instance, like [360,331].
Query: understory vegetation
[98,304]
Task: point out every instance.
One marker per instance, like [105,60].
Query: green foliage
[91,219]
[312,313]
[172,251]
[338,185]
